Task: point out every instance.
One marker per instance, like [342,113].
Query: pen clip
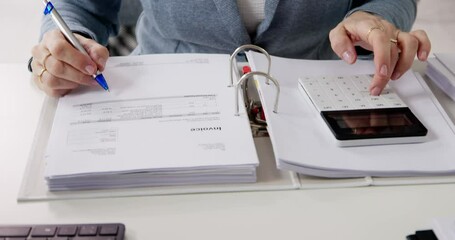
[48,9]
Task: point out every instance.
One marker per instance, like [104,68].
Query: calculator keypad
[334,93]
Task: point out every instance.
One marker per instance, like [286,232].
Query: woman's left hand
[394,51]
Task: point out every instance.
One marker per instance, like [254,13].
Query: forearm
[97,18]
[401,13]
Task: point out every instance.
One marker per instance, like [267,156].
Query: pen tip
[101,81]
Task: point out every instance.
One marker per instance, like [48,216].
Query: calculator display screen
[374,123]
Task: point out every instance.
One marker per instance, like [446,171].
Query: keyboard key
[67,231]
[44,231]
[94,238]
[88,230]
[109,230]
[14,231]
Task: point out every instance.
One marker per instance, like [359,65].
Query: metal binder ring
[243,81]
[234,68]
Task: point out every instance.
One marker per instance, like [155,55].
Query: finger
[424,47]
[61,49]
[342,45]
[39,54]
[49,81]
[58,68]
[408,45]
[36,67]
[55,83]
[98,53]
[382,61]
[54,92]
[45,80]
[394,54]
[67,72]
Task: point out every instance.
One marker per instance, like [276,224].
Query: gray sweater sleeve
[98,18]
[401,13]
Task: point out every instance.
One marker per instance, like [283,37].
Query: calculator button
[326,81]
[361,83]
[347,92]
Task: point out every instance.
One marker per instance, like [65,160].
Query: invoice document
[168,119]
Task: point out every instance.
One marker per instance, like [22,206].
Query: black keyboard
[103,231]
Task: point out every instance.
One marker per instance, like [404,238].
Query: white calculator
[357,118]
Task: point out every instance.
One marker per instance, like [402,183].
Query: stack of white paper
[303,143]
[168,120]
[444,228]
[441,69]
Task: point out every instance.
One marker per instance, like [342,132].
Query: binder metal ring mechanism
[254,109]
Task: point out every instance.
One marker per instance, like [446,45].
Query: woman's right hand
[58,67]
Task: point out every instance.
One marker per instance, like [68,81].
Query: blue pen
[49,9]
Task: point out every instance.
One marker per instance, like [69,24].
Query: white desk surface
[347,213]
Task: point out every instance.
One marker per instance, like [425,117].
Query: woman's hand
[394,51]
[58,67]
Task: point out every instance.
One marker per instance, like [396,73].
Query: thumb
[97,52]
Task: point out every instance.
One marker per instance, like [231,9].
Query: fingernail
[376,91]
[383,71]
[90,69]
[423,55]
[396,75]
[347,56]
